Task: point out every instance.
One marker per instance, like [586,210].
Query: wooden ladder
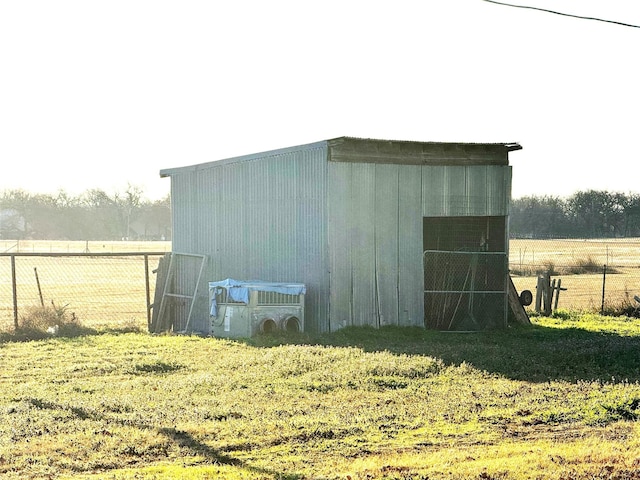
[161,321]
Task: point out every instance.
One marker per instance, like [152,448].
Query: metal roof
[510,146]
[403,152]
[377,151]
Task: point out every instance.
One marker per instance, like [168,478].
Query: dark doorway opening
[472,234]
[465,272]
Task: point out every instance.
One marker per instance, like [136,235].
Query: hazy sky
[102,94]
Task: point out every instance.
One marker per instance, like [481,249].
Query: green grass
[558,400]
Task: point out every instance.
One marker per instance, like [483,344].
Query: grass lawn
[557,400]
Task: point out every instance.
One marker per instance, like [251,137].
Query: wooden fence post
[557,289]
[547,294]
[539,293]
[544,294]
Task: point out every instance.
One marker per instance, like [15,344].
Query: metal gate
[465,290]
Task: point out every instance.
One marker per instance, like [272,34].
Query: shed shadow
[182,439]
[528,353]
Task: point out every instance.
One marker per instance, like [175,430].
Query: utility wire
[564,14]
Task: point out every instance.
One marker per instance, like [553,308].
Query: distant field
[94,246]
[98,290]
[609,251]
[584,291]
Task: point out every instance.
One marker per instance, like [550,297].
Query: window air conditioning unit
[246,308]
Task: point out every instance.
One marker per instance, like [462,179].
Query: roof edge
[407,152]
[339,143]
[511,146]
[166,172]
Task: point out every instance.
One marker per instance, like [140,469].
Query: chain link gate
[465,290]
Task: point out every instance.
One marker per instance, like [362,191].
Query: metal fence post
[146,278]
[15,292]
[604,280]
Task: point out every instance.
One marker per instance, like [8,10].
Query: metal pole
[15,292]
[604,280]
[35,270]
[146,278]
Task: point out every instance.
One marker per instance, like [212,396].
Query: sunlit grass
[560,399]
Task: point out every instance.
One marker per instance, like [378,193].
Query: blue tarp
[238,290]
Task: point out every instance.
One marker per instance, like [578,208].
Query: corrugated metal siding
[499,191]
[363,194]
[459,191]
[478,181]
[386,243]
[410,273]
[339,235]
[375,240]
[375,232]
[278,235]
[181,191]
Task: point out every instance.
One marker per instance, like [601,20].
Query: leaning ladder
[166,293]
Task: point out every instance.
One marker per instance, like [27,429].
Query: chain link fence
[600,275]
[465,290]
[99,288]
[111,283]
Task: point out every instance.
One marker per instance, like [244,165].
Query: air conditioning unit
[246,308]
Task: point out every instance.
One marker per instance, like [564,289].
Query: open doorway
[473,234]
[465,272]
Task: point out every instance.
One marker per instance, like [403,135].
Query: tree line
[585,214]
[93,215]
[97,215]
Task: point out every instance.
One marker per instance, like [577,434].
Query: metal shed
[381,232]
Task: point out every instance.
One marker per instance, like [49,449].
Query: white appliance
[246,308]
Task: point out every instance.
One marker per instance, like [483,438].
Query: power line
[564,14]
